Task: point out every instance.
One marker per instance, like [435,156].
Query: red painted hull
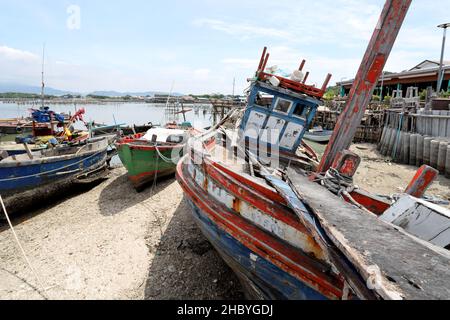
[307,267]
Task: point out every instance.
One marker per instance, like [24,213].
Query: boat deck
[410,268]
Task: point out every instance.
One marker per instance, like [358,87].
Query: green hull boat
[153,155]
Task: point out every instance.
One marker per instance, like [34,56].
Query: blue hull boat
[265,282]
[14,149]
[41,174]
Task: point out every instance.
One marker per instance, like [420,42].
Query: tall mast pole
[372,65]
[42,74]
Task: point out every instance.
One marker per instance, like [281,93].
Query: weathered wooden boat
[16,126]
[13,148]
[122,129]
[318,135]
[293,228]
[153,155]
[35,176]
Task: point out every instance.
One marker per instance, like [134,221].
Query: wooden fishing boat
[291,231]
[153,155]
[35,176]
[13,148]
[318,135]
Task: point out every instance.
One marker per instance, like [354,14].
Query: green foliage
[331,93]
[18,95]
[209,96]
[387,99]
[96,97]
[423,95]
[376,98]
[444,94]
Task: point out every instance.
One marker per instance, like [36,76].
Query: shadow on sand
[120,195]
[186,267]
[37,207]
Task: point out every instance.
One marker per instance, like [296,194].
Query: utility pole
[441,65]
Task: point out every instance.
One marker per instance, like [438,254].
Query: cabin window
[300,109]
[308,111]
[283,105]
[263,100]
[175,139]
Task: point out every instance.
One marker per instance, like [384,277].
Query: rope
[341,186]
[337,183]
[51,171]
[163,157]
[23,251]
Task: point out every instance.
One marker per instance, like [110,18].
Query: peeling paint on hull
[269,266]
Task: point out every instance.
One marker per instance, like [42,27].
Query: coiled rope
[341,186]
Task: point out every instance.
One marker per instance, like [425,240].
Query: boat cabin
[277,117]
[163,135]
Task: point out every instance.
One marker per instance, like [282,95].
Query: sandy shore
[379,175]
[109,242]
[113,243]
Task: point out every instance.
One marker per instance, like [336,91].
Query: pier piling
[434,152]
[441,156]
[412,149]
[419,150]
[426,150]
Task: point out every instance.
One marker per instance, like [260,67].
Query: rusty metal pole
[372,65]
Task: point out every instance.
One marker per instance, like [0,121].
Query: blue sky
[200,44]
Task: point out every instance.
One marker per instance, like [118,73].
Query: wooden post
[421,181]
[372,65]
[27,149]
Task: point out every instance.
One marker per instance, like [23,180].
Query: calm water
[129,114]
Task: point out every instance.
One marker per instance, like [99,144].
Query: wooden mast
[372,65]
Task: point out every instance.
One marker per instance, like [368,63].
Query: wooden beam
[372,65]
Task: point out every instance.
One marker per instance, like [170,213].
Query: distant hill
[21,88]
[133,94]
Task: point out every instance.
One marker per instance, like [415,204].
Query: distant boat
[318,135]
[36,176]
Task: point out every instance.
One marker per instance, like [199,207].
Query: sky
[199,46]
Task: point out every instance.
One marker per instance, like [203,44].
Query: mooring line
[41,290]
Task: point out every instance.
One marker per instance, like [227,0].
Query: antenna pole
[42,74]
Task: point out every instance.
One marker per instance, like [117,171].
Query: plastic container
[297,75]
[274,81]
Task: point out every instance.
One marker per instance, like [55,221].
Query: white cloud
[241,63]
[7,53]
[201,74]
[243,30]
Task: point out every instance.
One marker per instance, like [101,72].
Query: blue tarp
[45,115]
